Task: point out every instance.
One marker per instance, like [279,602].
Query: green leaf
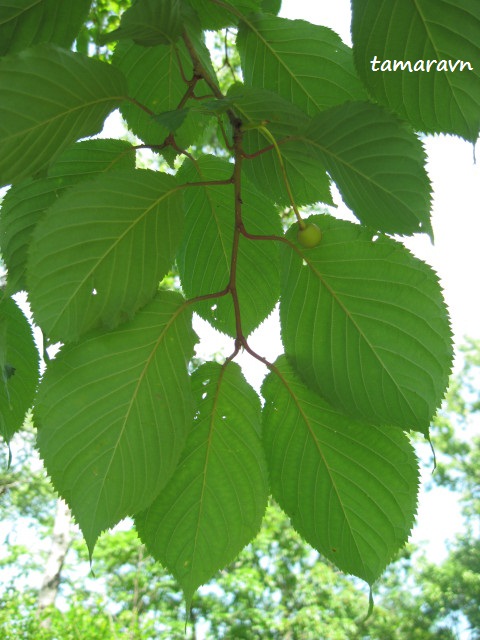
[271,6]
[434,101]
[148,23]
[113,412]
[306,175]
[349,487]
[257,107]
[365,324]
[304,63]
[88,158]
[213,17]
[377,163]
[204,260]
[71,97]
[18,368]
[172,120]
[27,22]
[25,202]
[214,503]
[80,271]
[155,79]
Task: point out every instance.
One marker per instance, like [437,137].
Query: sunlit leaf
[349,487]
[377,163]
[80,271]
[439,88]
[364,323]
[27,201]
[214,503]
[304,63]
[113,412]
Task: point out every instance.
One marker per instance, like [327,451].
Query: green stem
[270,137]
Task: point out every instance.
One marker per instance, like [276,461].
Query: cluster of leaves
[124,427]
[277,587]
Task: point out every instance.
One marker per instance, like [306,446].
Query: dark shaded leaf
[148,23]
[72,95]
[24,23]
[19,368]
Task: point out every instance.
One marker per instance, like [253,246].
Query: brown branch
[228,144]
[180,66]
[237,186]
[254,354]
[209,296]
[190,92]
[206,183]
[252,236]
[199,69]
[252,156]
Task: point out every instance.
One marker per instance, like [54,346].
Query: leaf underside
[19,368]
[27,201]
[24,23]
[432,100]
[349,487]
[73,95]
[113,413]
[204,259]
[365,324]
[79,269]
[219,490]
[129,422]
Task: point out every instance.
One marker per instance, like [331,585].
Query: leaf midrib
[311,431]
[110,249]
[68,112]
[361,333]
[159,341]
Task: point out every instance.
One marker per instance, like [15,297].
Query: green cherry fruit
[310,236]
